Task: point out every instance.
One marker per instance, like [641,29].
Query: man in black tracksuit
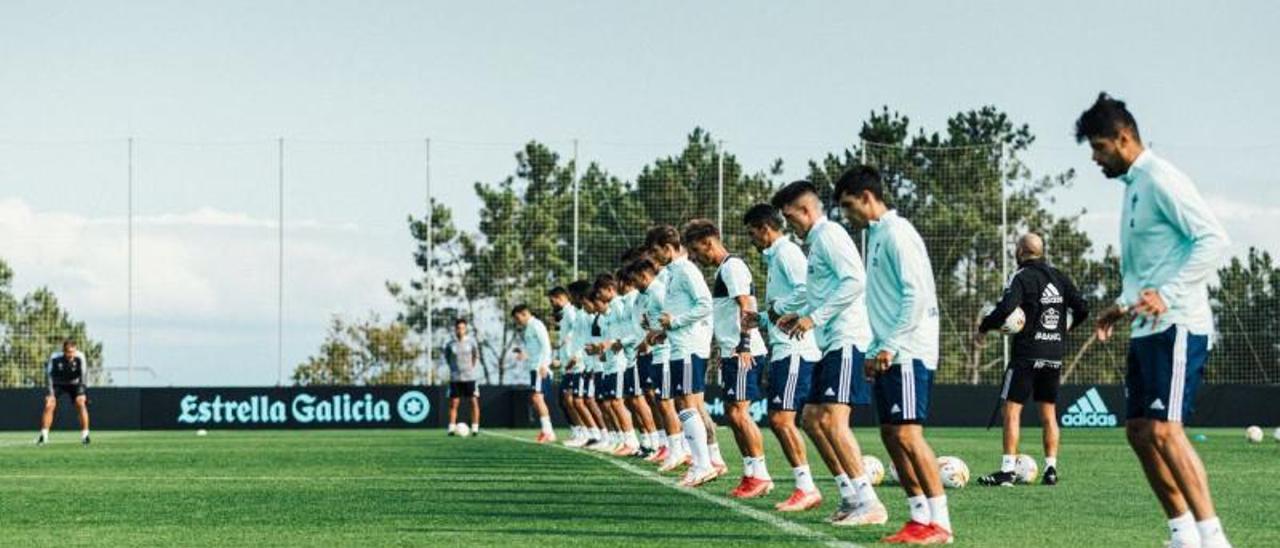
[1052,306]
[66,374]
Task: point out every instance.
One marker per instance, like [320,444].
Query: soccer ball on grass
[1026,469]
[873,468]
[462,430]
[954,472]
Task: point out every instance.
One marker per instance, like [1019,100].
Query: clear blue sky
[206,87]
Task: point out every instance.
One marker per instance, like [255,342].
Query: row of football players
[634,347]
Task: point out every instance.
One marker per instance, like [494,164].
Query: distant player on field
[566,318]
[66,375]
[791,360]
[462,354]
[1052,306]
[536,355]
[835,310]
[743,356]
[903,304]
[1170,244]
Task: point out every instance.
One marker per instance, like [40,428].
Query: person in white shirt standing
[836,312]
[686,326]
[1170,244]
[902,303]
[791,360]
[536,355]
[743,356]
[462,354]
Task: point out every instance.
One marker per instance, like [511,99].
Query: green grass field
[362,487]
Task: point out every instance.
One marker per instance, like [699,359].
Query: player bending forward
[792,360]
[835,311]
[1170,244]
[65,371]
[903,305]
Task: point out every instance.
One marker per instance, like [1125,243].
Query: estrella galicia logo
[413,407]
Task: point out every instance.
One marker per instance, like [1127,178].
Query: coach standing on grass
[1170,244]
[1052,306]
[65,372]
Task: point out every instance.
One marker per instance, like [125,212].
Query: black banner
[1079,406]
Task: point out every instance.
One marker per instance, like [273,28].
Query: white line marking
[784,525]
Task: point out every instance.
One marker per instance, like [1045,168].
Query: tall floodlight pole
[1004,232]
[720,184]
[574,174]
[129,375]
[431,281]
[280,263]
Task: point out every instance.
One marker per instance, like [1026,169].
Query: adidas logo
[829,392]
[1089,410]
[895,409]
[1050,295]
[1157,405]
[777,399]
[730,391]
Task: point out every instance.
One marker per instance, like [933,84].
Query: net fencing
[314,262]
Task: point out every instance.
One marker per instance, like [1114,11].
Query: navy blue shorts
[789,382]
[611,387]
[688,376]
[580,385]
[540,385]
[740,385]
[598,386]
[631,382]
[647,371]
[666,385]
[1165,370]
[568,383]
[463,389]
[838,378]
[902,393]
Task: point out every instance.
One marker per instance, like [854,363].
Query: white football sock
[761,471]
[452,426]
[939,512]
[866,491]
[1051,462]
[919,507]
[546,424]
[748,467]
[662,439]
[846,488]
[695,435]
[44,432]
[475,427]
[1211,533]
[632,440]
[1008,463]
[713,452]
[596,434]
[1184,528]
[804,479]
[84,433]
[646,440]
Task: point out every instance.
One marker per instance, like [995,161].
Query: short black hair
[762,215]
[578,289]
[1105,119]
[459,321]
[631,271]
[605,281]
[557,291]
[857,179]
[630,254]
[698,230]
[68,342]
[793,190]
[520,308]
[662,235]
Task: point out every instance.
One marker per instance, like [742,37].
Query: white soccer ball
[1026,469]
[462,430]
[1253,434]
[1015,322]
[891,477]
[1276,434]
[202,432]
[954,472]
[874,469]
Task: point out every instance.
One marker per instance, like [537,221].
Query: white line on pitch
[784,525]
